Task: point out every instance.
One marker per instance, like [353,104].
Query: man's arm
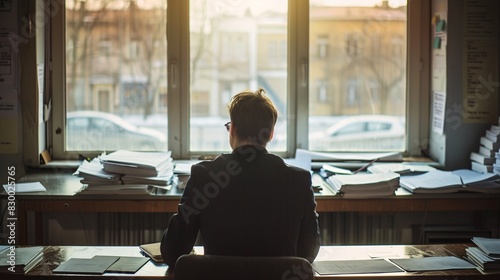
[178,239]
[309,239]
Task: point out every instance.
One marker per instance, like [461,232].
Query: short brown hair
[253,114]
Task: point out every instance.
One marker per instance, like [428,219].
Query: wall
[11,149]
[469,88]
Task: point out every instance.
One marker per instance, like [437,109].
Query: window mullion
[298,75]
[178,78]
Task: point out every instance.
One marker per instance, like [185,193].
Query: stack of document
[20,259]
[487,255]
[365,185]
[140,164]
[438,181]
[126,172]
[93,174]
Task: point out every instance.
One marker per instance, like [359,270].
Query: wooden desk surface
[54,255]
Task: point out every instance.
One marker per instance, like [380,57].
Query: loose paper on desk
[25,187]
[433,263]
[182,168]
[354,266]
[302,159]
[95,265]
[127,264]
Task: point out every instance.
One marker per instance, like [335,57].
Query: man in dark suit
[249,202]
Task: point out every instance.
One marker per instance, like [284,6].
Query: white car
[361,133]
[99,131]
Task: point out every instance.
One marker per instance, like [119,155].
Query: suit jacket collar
[244,150]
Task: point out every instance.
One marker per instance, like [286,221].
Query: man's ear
[232,131]
[271,135]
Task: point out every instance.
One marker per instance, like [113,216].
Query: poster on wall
[9,124]
[7,59]
[9,99]
[481,80]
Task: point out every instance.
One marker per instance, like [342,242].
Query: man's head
[253,117]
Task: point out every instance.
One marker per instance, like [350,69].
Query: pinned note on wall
[440,25]
[436,43]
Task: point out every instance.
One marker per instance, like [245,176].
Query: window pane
[357,92]
[235,46]
[116,75]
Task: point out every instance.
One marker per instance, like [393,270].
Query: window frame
[417,76]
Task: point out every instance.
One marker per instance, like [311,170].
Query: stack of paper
[479,182]
[487,255]
[143,164]
[93,174]
[365,185]
[20,259]
[126,172]
[438,181]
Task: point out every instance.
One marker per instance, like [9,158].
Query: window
[321,63]
[245,42]
[364,70]
[116,69]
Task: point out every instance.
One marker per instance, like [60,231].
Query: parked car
[361,133]
[99,131]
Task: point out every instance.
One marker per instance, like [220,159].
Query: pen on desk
[365,166]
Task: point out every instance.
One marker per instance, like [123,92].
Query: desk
[62,185]
[54,255]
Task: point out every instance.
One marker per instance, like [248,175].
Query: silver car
[99,131]
[361,133]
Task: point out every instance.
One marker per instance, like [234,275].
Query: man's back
[250,203]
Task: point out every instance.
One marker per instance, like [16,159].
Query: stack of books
[126,172]
[365,185]
[486,255]
[20,259]
[484,159]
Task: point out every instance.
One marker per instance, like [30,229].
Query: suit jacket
[247,203]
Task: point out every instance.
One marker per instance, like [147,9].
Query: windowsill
[63,164]
[74,164]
